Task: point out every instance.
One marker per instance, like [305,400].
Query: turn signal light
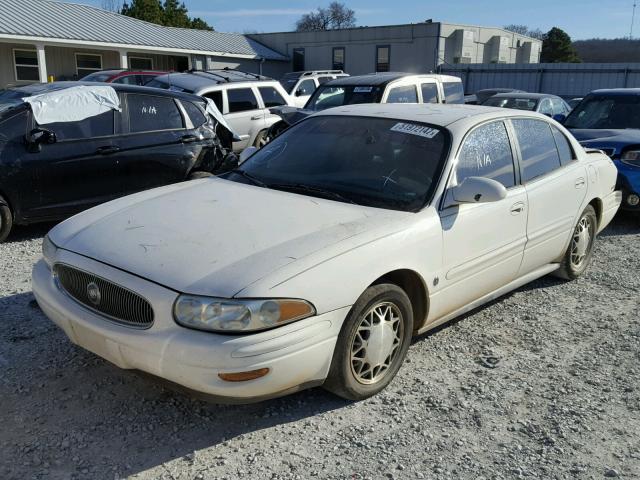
[243,376]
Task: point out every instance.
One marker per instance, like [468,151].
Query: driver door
[483,243]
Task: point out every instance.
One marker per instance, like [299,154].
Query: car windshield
[289,81]
[377,162]
[606,111]
[327,96]
[511,102]
[97,77]
[11,98]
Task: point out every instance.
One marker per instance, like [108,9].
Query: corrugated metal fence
[564,79]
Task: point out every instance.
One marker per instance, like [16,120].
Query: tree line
[169,13]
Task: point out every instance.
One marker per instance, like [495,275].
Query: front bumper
[629,183]
[298,354]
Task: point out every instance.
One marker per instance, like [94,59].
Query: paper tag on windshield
[414,129]
[362,89]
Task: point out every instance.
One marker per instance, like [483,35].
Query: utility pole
[633,16]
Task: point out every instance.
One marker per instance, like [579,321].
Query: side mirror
[246,153]
[299,92]
[478,190]
[38,136]
[559,117]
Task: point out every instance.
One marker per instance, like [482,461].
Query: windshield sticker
[414,129]
[362,89]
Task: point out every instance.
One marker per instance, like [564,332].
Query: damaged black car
[67,146]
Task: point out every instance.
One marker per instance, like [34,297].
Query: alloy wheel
[581,242]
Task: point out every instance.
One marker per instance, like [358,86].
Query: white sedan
[316,260]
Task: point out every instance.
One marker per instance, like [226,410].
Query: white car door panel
[243,114]
[556,187]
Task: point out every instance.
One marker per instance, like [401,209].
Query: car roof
[532,96]
[38,88]
[617,91]
[435,114]
[384,78]
[199,79]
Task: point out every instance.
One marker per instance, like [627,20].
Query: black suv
[49,172]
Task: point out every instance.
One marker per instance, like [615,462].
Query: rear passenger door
[155,148]
[556,185]
[244,114]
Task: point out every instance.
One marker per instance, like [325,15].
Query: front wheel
[261,139]
[372,344]
[6,220]
[578,255]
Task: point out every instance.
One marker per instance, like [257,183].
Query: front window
[289,81]
[384,163]
[327,96]
[87,63]
[512,102]
[26,64]
[606,111]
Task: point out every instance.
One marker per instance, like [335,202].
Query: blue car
[609,120]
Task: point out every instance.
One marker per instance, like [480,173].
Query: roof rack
[227,78]
[320,72]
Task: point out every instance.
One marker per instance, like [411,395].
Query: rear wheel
[261,139]
[6,220]
[578,255]
[372,344]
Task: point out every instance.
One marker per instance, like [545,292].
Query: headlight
[238,316]
[48,250]
[631,157]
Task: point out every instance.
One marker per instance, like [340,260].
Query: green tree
[175,14]
[558,48]
[147,10]
[199,24]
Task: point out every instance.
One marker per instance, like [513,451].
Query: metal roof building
[69,40]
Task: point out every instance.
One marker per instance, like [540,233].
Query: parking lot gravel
[542,383]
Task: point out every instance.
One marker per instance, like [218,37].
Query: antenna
[633,15]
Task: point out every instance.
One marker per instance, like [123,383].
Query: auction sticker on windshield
[362,89]
[414,129]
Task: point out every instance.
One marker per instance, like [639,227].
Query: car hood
[616,139]
[216,237]
[291,115]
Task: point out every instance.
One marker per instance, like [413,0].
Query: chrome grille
[113,301]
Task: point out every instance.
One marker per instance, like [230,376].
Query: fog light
[243,376]
[633,200]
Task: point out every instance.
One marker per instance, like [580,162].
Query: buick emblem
[93,292]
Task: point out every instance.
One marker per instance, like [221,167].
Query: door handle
[517,208]
[580,182]
[257,117]
[189,139]
[107,150]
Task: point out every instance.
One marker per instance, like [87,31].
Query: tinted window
[487,153]
[564,147]
[429,92]
[216,97]
[195,114]
[537,146]
[322,80]
[606,111]
[406,94]
[241,100]
[148,113]
[371,161]
[326,96]
[97,126]
[306,87]
[271,97]
[453,92]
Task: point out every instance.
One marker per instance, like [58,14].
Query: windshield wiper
[312,189]
[249,177]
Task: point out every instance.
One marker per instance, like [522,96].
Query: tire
[199,174]
[580,250]
[352,374]
[261,139]
[6,220]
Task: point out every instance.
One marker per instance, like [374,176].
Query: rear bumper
[297,355]
[610,206]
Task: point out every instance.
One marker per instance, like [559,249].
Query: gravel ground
[562,401]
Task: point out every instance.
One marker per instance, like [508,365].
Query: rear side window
[537,146]
[97,126]
[271,97]
[195,114]
[487,153]
[564,147]
[429,92]
[216,97]
[241,100]
[406,94]
[453,92]
[148,113]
